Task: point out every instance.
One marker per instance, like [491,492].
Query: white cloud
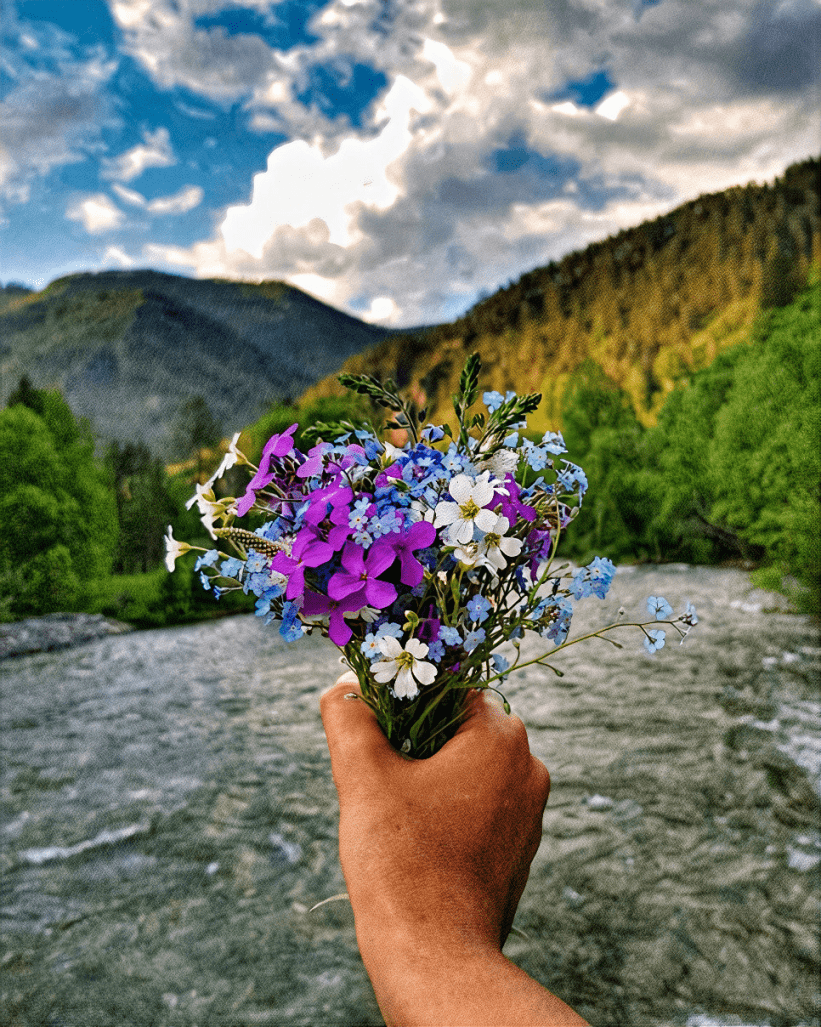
[302,186]
[189,197]
[117,255]
[95,213]
[154,152]
[130,196]
[186,199]
[612,105]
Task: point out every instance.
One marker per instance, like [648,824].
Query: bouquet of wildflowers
[421,562]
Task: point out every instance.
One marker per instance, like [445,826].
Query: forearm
[446,981]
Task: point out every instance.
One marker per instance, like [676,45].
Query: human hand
[438,846]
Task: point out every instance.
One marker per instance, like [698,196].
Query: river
[168,820]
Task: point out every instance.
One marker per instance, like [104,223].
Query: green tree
[56,506]
[145,506]
[195,430]
[603,435]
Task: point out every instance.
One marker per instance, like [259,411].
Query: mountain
[128,348]
[648,306]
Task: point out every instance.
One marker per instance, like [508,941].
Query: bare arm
[436,855]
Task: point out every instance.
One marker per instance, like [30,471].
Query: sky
[397,159]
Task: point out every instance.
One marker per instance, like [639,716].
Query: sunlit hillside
[649,306]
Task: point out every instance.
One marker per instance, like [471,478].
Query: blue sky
[395,158]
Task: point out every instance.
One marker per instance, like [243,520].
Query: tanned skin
[436,855]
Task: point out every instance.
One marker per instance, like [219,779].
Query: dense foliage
[731,470]
[57,509]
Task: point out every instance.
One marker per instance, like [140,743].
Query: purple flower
[323,501]
[510,505]
[307,551]
[277,446]
[419,536]
[362,571]
[313,463]
[339,631]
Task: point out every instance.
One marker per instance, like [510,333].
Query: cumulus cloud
[153,152]
[49,119]
[302,186]
[96,213]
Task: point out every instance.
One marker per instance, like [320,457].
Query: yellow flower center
[492,540]
[404,659]
[469,510]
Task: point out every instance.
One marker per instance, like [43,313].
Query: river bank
[169,819]
[55,631]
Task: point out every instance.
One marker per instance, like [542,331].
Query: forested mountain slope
[649,306]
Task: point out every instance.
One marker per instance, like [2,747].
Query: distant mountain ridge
[128,348]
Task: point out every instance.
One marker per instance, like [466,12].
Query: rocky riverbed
[168,820]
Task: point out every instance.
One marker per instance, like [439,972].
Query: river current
[169,820]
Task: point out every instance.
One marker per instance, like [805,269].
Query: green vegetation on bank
[731,470]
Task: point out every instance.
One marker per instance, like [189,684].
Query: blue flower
[478,609]
[600,573]
[291,628]
[206,581]
[256,562]
[450,636]
[572,478]
[553,442]
[435,651]
[554,614]
[370,647]
[231,567]
[208,559]
[474,638]
[537,458]
[492,400]
[580,586]
[500,664]
[389,629]
[659,607]
[654,640]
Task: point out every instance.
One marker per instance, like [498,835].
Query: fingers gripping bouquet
[419,562]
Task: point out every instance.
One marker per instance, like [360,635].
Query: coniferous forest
[681,359]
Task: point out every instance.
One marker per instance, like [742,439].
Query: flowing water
[168,820]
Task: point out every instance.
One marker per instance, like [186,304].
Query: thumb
[356,742]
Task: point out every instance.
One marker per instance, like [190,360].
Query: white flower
[173,549]
[405,665]
[467,554]
[207,505]
[495,546]
[228,461]
[472,496]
